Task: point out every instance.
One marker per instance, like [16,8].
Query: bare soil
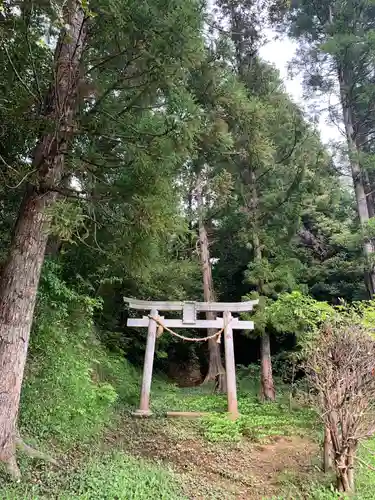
[208,470]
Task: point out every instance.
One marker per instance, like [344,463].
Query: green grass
[257,421]
[320,487]
[365,475]
[75,392]
[100,477]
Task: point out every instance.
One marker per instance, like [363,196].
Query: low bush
[72,383]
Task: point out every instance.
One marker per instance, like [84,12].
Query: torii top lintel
[236,307]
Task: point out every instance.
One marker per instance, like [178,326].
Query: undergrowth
[321,487]
[257,422]
[72,384]
[101,477]
[75,390]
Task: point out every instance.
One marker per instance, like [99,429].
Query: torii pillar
[189,320]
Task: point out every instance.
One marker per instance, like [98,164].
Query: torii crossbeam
[189,320]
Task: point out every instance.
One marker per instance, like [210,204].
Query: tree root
[12,469]
[220,382]
[10,464]
[32,452]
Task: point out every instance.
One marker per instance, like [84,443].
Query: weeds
[75,389]
[102,477]
[257,421]
[72,385]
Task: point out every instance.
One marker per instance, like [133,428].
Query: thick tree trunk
[18,287]
[216,369]
[266,377]
[369,191]
[267,385]
[357,176]
[20,276]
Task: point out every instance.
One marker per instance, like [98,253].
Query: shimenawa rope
[188,339]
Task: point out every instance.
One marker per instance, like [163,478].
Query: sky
[280,53]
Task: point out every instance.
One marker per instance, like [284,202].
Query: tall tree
[216,369]
[20,275]
[244,18]
[82,134]
[336,52]
[274,159]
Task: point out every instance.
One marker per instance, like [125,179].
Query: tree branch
[28,90]
[32,57]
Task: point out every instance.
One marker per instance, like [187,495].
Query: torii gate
[189,320]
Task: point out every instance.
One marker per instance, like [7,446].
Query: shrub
[341,370]
[71,383]
[61,396]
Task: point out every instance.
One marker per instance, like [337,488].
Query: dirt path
[232,471]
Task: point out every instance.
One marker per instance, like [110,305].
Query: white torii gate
[189,320]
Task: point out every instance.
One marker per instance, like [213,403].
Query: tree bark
[266,377]
[343,477]
[20,276]
[216,369]
[267,385]
[351,459]
[327,450]
[357,175]
[369,191]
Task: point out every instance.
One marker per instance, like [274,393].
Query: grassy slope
[76,404]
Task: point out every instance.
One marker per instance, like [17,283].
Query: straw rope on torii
[162,327]
[157,324]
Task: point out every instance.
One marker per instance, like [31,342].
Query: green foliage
[102,477]
[71,383]
[321,488]
[219,428]
[301,314]
[257,421]
[297,313]
[122,477]
[67,220]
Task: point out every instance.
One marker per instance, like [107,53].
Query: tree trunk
[266,376]
[345,470]
[369,191]
[343,479]
[327,450]
[351,458]
[357,176]
[216,369]
[20,276]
